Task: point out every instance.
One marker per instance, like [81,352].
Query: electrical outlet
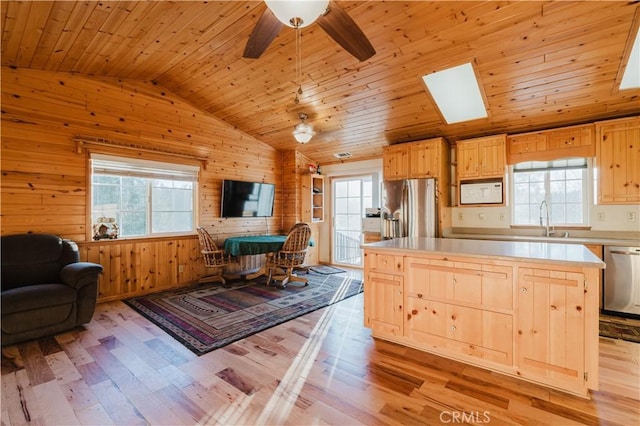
[180,269]
[460,216]
[481,216]
[501,217]
[631,216]
[600,216]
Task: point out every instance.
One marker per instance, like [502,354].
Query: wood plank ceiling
[541,64]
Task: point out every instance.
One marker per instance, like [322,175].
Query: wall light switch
[180,269]
[631,216]
[501,217]
[460,216]
[600,216]
[481,216]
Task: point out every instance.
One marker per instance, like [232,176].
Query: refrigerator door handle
[405,204]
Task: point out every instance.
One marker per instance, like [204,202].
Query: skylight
[631,76]
[457,93]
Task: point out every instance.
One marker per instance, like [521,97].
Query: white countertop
[558,240]
[573,254]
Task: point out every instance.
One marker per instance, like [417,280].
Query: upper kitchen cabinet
[481,158]
[425,158]
[618,160]
[395,162]
[547,145]
[421,159]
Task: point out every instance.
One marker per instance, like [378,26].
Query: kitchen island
[525,309]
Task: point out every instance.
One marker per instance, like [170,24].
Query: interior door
[351,196]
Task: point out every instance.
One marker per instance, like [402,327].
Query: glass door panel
[351,196]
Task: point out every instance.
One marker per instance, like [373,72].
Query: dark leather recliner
[45,288]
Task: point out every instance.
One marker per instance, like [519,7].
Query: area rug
[326,269]
[618,329]
[208,316]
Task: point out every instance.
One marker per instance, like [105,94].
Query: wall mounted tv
[247,199]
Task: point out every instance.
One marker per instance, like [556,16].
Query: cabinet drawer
[384,263]
[486,286]
[483,334]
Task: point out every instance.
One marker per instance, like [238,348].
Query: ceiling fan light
[303,12]
[303,132]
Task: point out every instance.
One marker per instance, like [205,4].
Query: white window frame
[587,192]
[149,170]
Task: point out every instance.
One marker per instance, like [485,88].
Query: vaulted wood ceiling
[541,64]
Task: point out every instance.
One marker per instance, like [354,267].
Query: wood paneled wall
[44,184]
[295,165]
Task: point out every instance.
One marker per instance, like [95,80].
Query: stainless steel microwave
[481,192]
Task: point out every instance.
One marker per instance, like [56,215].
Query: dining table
[250,245]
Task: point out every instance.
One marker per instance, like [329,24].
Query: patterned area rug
[208,316]
[620,329]
[326,269]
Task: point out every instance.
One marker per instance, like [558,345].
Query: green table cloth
[254,244]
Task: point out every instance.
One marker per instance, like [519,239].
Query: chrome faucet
[546,208]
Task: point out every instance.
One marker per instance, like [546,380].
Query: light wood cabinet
[531,320]
[421,159]
[312,198]
[457,301]
[618,161]
[547,145]
[395,162]
[481,158]
[424,159]
[551,322]
[525,147]
[383,298]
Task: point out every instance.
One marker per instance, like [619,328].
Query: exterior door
[351,196]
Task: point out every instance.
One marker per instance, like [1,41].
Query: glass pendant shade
[297,13]
[303,132]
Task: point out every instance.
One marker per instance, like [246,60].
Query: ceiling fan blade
[266,29]
[340,27]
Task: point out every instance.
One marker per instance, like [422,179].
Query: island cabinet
[551,321]
[383,294]
[461,306]
[528,310]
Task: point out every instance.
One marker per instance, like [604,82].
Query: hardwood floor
[322,368]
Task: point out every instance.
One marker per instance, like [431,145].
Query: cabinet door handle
[523,289]
[453,328]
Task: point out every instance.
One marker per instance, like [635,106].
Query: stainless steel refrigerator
[409,208]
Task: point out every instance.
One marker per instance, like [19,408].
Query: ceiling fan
[297,14]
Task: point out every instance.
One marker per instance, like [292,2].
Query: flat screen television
[247,199]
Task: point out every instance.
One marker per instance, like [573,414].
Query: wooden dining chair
[214,258]
[281,264]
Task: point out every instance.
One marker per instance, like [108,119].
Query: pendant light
[297,13]
[303,131]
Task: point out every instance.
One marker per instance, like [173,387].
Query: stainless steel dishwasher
[622,281]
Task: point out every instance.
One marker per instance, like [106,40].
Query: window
[563,184]
[144,198]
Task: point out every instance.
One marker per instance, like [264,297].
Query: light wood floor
[322,368]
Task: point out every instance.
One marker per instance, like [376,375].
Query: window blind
[536,166]
[120,166]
